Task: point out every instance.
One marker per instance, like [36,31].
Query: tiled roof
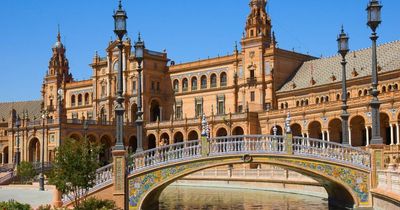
[33,108]
[358,65]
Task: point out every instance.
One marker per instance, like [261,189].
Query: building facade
[249,91]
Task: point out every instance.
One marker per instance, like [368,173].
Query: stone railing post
[377,163]
[119,178]
[288,137]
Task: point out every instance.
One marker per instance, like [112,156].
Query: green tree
[26,172]
[74,169]
[12,204]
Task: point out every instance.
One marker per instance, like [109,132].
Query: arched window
[348,95]
[185,84]
[317,101]
[326,98]
[365,92]
[176,85]
[87,98]
[322,99]
[223,79]
[390,88]
[337,97]
[286,105]
[297,103]
[383,89]
[203,82]
[282,106]
[213,80]
[80,100]
[359,93]
[194,83]
[73,100]
[395,87]
[306,102]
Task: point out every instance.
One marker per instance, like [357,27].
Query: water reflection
[185,198]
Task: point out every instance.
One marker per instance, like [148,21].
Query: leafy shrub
[96,204]
[44,207]
[12,204]
[26,172]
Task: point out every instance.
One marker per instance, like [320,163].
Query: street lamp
[17,153]
[374,19]
[120,30]
[139,54]
[41,176]
[60,98]
[343,49]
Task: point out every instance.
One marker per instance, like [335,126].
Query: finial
[342,29]
[120,5]
[58,34]
[236,46]
[139,37]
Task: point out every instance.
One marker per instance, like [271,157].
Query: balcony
[252,80]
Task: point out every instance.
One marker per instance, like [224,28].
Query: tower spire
[58,33]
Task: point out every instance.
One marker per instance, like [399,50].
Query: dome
[58,44]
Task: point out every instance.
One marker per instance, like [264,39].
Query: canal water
[199,198]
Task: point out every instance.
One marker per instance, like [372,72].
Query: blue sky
[189,30]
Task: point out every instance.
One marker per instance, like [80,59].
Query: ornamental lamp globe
[374,14]
[139,50]
[120,22]
[343,43]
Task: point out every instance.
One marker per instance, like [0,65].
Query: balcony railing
[251,80]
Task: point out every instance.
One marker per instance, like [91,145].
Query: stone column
[2,158]
[398,133]
[350,136]
[391,134]
[119,178]
[328,135]
[367,134]
[323,135]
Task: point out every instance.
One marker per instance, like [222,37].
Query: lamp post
[374,19]
[85,129]
[59,98]
[41,176]
[139,54]
[343,49]
[120,30]
[17,153]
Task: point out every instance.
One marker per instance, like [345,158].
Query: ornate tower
[258,24]
[256,42]
[56,77]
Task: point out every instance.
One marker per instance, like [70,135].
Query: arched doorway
[222,132]
[165,138]
[278,130]
[75,137]
[105,155]
[193,136]
[103,116]
[385,128]
[151,141]
[34,150]
[5,153]
[154,111]
[134,109]
[132,144]
[358,133]
[314,129]
[296,129]
[91,138]
[178,137]
[238,131]
[335,130]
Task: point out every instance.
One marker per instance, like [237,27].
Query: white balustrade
[249,144]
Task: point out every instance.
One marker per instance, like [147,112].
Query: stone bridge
[344,171]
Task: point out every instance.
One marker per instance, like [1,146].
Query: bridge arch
[75,136]
[339,192]
[92,137]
